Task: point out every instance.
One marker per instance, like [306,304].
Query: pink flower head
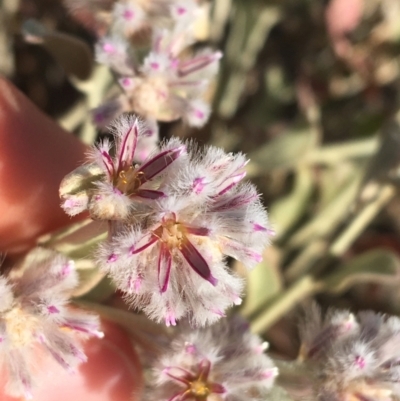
[351,357]
[212,364]
[103,115]
[35,319]
[184,12]
[113,52]
[168,86]
[183,80]
[129,17]
[111,186]
[172,263]
[171,267]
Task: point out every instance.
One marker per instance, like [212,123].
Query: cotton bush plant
[172,215]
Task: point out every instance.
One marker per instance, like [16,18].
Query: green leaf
[380,266]
[94,286]
[249,30]
[345,151]
[264,282]
[326,221]
[78,240]
[286,151]
[287,211]
[92,282]
[284,302]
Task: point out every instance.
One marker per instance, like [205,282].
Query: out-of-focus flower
[350,357]
[129,17]
[168,85]
[223,362]
[111,187]
[94,14]
[35,321]
[172,262]
[114,52]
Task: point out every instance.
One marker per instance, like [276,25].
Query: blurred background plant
[309,89]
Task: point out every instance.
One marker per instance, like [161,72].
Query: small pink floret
[259,349]
[134,284]
[143,155]
[174,63]
[52,309]
[126,82]
[258,258]
[213,280]
[128,14]
[218,312]
[155,66]
[66,269]
[190,349]
[349,325]
[199,114]
[198,185]
[268,374]
[181,10]
[112,258]
[137,284]
[109,48]
[170,319]
[98,118]
[258,227]
[70,204]
[360,362]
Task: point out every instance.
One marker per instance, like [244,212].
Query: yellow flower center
[20,326]
[173,234]
[199,389]
[152,98]
[128,181]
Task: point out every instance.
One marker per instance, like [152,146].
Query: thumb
[35,154]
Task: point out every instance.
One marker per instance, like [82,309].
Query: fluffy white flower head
[111,187]
[35,320]
[172,263]
[218,363]
[352,357]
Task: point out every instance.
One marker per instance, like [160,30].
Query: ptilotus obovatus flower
[222,362]
[132,16]
[111,187]
[173,263]
[167,86]
[128,17]
[352,357]
[35,321]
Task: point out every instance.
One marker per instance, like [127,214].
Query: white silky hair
[37,310]
[242,372]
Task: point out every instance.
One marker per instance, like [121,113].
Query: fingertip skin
[35,154]
[112,373]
